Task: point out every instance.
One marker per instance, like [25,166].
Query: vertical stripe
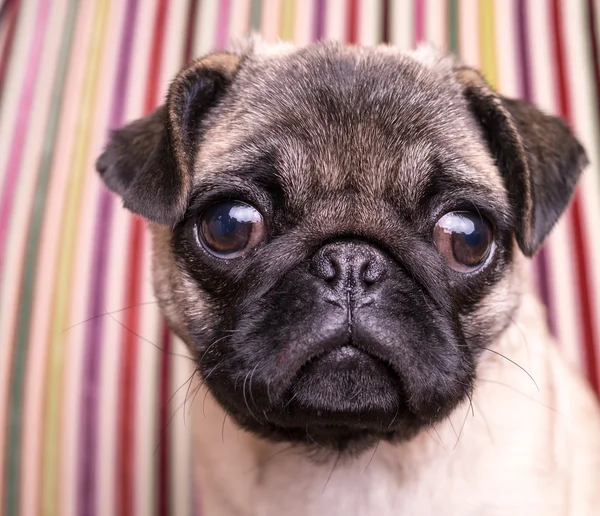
[453,27]
[419,21]
[167,503]
[468,37]
[541,260]
[16,385]
[163,438]
[21,125]
[352,31]
[126,477]
[580,80]
[62,284]
[286,23]
[402,30]
[222,22]
[256,15]
[486,38]
[385,22]
[88,432]
[576,214]
[10,11]
[593,43]
[189,30]
[435,23]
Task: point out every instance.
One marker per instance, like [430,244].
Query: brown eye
[227,229]
[463,239]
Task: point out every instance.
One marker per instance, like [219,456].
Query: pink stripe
[222,22]
[22,123]
[419,21]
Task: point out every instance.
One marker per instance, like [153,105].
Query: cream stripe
[205,40]
[560,245]
[370,14]
[239,18]
[304,16]
[402,27]
[436,23]
[14,81]
[270,17]
[582,98]
[506,31]
[336,20]
[468,35]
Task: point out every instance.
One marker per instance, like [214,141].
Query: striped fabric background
[92,384]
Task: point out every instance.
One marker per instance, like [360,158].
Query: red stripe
[126,477]
[352,29]
[576,214]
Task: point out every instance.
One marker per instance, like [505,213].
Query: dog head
[336,228]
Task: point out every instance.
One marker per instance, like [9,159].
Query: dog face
[335,230]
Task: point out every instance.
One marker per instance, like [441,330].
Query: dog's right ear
[150,162]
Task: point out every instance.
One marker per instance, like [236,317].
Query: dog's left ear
[150,162]
[538,156]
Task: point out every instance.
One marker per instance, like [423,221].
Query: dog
[341,236]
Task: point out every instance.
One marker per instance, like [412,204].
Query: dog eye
[463,239]
[227,229]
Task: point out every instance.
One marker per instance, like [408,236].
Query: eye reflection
[228,229]
[463,239]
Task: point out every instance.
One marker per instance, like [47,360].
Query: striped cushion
[92,385]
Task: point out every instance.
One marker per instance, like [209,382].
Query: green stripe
[453,27]
[255,15]
[11,502]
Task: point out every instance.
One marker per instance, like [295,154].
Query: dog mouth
[344,392]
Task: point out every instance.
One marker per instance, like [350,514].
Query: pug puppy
[341,236]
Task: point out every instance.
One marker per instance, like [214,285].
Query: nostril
[325,267]
[372,272]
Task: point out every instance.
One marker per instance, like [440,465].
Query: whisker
[149,341]
[269,458]
[246,398]
[331,472]
[439,436]
[513,362]
[371,459]
[104,314]
[461,428]
[223,427]
[514,389]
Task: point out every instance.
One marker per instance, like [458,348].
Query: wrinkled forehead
[326,120]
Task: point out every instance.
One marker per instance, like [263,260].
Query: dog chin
[344,400]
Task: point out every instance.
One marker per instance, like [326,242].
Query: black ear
[538,156]
[150,162]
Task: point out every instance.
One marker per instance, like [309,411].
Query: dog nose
[349,265]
